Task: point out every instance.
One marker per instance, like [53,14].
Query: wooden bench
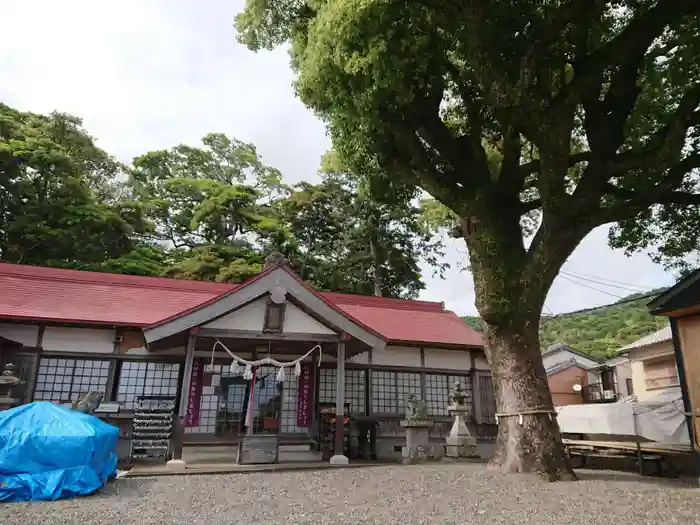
[649,453]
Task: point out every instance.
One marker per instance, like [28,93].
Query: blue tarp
[49,452]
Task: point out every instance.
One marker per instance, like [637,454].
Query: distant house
[652,364]
[575,378]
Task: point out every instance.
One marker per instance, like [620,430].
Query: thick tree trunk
[511,284]
[528,432]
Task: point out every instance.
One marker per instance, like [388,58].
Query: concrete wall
[638,356]
[562,386]
[623,372]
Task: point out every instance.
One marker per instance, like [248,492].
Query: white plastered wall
[252,318]
[448,359]
[20,333]
[88,340]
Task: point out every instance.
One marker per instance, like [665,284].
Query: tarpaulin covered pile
[49,452]
[660,418]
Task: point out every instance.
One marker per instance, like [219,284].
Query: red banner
[304,397]
[194,398]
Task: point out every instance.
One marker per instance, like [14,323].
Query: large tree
[583,112]
[59,194]
[210,206]
[341,238]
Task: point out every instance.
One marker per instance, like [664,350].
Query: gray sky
[150,74]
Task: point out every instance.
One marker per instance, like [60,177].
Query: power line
[603,283]
[604,306]
[604,279]
[591,287]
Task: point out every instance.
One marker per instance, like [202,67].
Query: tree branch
[534,166]
[642,30]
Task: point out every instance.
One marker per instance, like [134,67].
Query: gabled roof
[32,293]
[278,276]
[684,294]
[560,367]
[563,347]
[650,339]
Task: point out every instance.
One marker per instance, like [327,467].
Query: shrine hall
[270,370]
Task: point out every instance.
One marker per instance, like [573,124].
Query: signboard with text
[194,398]
[304,397]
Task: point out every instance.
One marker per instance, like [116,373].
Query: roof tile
[51,294]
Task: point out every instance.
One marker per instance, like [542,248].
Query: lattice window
[437,393]
[66,380]
[390,391]
[354,388]
[146,379]
[488,398]
[438,388]
[406,384]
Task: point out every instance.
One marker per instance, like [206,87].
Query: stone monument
[460,443]
[8,380]
[417,428]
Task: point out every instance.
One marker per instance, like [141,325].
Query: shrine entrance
[251,364]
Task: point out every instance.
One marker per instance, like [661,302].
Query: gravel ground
[449,494]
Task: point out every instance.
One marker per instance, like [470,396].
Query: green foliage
[342,238]
[540,119]
[58,194]
[601,332]
[209,213]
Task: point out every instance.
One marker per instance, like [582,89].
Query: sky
[151,74]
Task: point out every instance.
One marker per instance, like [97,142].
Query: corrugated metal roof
[52,294]
[651,339]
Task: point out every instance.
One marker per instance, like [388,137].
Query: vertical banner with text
[304,397]
[194,398]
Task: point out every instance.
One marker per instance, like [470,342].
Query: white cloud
[150,74]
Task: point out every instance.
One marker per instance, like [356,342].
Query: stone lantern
[460,443]
[417,427]
[8,380]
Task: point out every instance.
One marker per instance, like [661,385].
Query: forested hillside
[600,332]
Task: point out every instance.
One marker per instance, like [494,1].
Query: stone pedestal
[177,465]
[418,447]
[339,460]
[460,443]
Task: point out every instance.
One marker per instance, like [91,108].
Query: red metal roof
[72,296]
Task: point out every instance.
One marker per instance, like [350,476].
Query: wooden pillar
[179,423]
[339,458]
[476,392]
[691,412]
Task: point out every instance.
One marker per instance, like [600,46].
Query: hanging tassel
[280,375]
[297,369]
[248,373]
[235,368]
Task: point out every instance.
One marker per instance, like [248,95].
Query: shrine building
[208,356]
